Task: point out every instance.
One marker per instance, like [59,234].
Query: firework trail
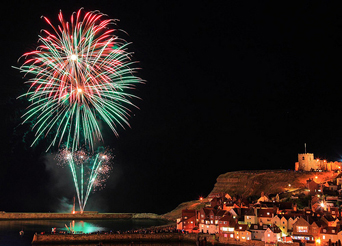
[81,73]
[89,172]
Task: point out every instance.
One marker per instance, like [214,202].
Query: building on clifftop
[307,162]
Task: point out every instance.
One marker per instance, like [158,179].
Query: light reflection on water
[9,230]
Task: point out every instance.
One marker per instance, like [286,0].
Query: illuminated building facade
[307,162]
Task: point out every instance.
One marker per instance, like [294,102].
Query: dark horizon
[235,87]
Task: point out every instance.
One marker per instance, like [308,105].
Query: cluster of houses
[270,220]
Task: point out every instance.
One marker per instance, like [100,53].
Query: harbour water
[9,230]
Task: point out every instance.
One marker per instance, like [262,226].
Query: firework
[80,74]
[89,172]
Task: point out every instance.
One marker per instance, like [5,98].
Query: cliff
[252,183]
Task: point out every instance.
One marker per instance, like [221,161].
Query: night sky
[238,86]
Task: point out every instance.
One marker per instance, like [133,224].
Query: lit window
[231,235]
[302,229]
[268,213]
[268,235]
[323,236]
[333,231]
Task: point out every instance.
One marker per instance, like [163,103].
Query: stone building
[307,162]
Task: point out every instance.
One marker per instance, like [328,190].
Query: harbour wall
[128,238]
[69,216]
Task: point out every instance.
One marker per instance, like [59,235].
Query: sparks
[81,74]
[89,172]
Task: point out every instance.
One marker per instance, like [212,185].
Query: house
[188,220]
[272,235]
[218,215]
[265,216]
[211,225]
[334,212]
[312,186]
[204,215]
[282,222]
[206,221]
[263,198]
[302,231]
[240,212]
[241,233]
[227,226]
[330,221]
[290,223]
[257,231]
[330,233]
[250,217]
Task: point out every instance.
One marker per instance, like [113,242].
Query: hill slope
[252,183]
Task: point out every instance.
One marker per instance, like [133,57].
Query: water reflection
[83,227]
[9,230]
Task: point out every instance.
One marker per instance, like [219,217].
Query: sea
[10,230]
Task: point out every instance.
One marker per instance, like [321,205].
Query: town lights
[201,199]
[318,241]
[289,185]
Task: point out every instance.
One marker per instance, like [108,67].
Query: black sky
[234,86]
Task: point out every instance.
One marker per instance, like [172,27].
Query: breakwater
[143,238]
[96,238]
[69,216]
